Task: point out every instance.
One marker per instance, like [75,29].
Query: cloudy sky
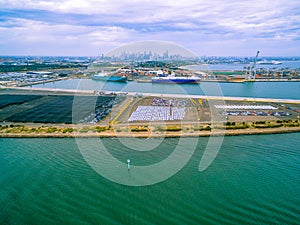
[93,27]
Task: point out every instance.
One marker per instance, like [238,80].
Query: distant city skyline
[96,27]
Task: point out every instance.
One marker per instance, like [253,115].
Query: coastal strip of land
[39,112]
[115,134]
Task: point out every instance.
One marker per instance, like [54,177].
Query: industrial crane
[252,68]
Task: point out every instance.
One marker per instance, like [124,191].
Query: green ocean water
[253,180]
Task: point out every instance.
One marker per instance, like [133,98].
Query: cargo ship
[107,77]
[266,62]
[176,80]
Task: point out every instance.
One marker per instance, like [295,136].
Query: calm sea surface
[289,90]
[253,180]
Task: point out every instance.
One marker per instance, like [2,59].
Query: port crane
[250,74]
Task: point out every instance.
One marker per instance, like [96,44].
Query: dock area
[46,112]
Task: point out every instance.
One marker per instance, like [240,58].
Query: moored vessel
[266,62]
[176,80]
[108,77]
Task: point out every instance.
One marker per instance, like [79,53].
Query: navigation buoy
[128,164]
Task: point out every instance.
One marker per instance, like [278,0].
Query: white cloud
[34,35]
[107,23]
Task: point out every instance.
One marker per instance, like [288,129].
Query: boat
[176,80]
[266,62]
[108,77]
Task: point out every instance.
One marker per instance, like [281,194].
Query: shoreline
[112,134]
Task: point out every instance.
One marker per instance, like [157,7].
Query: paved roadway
[92,92]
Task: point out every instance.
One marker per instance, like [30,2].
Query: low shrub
[139,129]
[292,125]
[268,125]
[260,122]
[68,130]
[236,127]
[51,130]
[100,128]
[207,128]
[173,128]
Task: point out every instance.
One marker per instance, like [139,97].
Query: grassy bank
[228,128]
